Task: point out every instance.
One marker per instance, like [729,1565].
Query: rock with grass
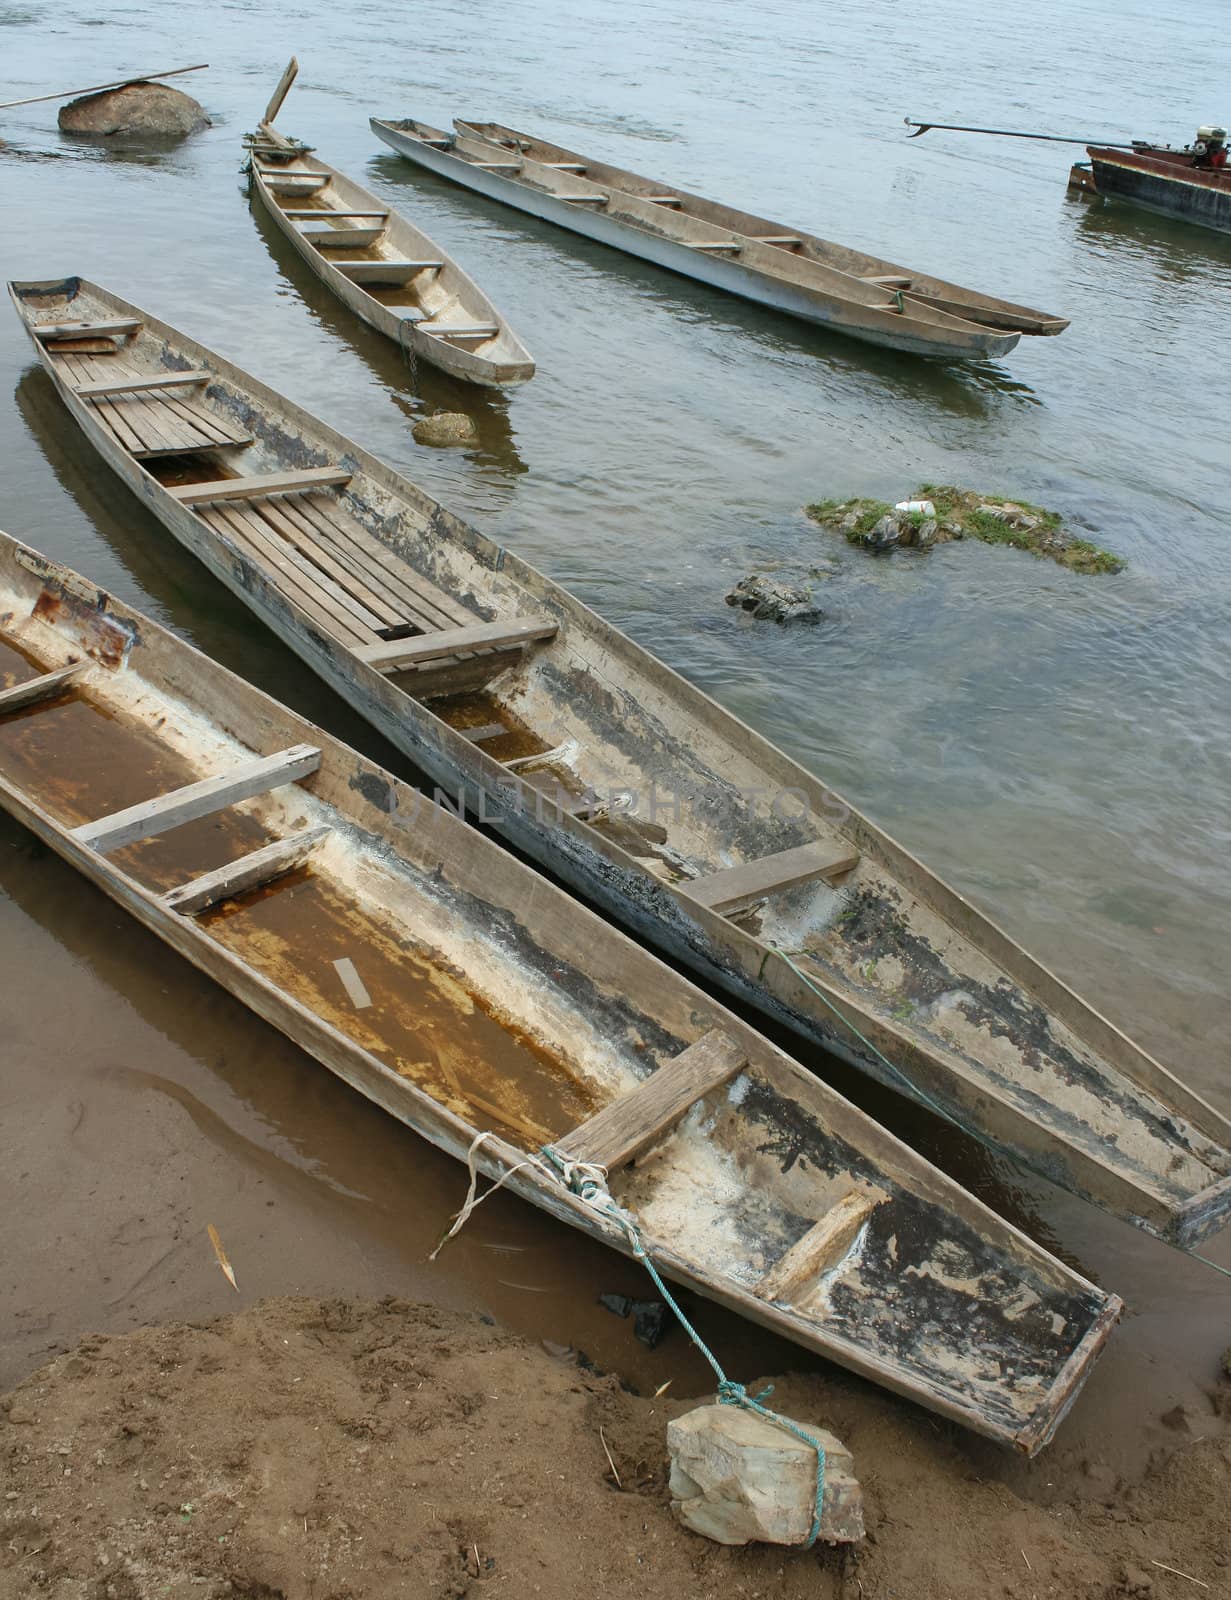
[961,514]
[445,428]
[143,109]
[774,600]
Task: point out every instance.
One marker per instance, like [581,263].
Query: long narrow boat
[654,229]
[466,995]
[1165,181]
[387,271]
[598,761]
[915,286]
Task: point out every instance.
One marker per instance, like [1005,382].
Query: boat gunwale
[783,994]
[199,680]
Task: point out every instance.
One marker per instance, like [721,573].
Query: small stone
[925,536]
[140,108]
[769,599]
[11,1494]
[445,428]
[886,533]
[737,1477]
[21,1414]
[1177,1419]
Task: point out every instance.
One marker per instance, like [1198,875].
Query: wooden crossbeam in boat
[337,238]
[318,212]
[195,800]
[169,380]
[775,238]
[661,199]
[498,166]
[400,653]
[820,1249]
[723,891]
[587,199]
[474,330]
[567,166]
[119,326]
[249,872]
[294,182]
[713,244]
[191,494]
[892,281]
[44,687]
[620,1132]
[385,271]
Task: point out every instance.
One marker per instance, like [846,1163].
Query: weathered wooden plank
[487,730]
[619,1132]
[249,872]
[51,331]
[344,238]
[281,92]
[732,245]
[821,1248]
[449,641]
[393,272]
[776,238]
[476,330]
[44,687]
[194,800]
[770,875]
[169,380]
[287,520]
[189,494]
[319,213]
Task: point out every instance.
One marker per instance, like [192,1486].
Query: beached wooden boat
[387,271]
[915,286]
[1165,181]
[655,229]
[465,994]
[591,756]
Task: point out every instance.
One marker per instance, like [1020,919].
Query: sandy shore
[331,1450]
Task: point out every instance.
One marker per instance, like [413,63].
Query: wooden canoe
[755,269]
[915,286]
[592,757]
[464,994]
[387,271]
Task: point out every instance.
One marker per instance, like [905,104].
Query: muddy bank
[314,1450]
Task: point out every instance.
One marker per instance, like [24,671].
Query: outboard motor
[1210,149]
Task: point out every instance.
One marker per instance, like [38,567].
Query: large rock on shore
[140,108]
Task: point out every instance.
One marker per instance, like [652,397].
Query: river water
[1058,747]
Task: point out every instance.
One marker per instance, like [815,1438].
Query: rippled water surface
[1057,746]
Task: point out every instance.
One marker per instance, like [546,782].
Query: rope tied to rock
[587,1181]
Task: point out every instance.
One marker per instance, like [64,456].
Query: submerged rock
[886,533]
[446,427]
[771,600]
[145,108]
[736,1477]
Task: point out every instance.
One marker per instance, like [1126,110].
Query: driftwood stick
[120,83]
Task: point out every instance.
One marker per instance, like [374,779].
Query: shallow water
[1057,746]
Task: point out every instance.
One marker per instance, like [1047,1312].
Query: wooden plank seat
[189,494]
[587,199]
[661,199]
[787,239]
[350,238]
[714,244]
[251,871]
[891,281]
[393,272]
[621,1131]
[294,182]
[498,166]
[166,380]
[753,880]
[397,655]
[316,213]
[145,422]
[200,799]
[820,1249]
[45,687]
[49,332]
[567,166]
[476,330]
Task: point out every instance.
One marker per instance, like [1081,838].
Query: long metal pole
[120,83]
[1008,133]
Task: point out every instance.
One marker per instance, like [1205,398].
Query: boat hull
[1165,185]
[869,324]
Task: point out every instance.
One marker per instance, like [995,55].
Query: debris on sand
[141,108]
[771,600]
[961,514]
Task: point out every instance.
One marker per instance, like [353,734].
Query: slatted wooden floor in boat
[149,417]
